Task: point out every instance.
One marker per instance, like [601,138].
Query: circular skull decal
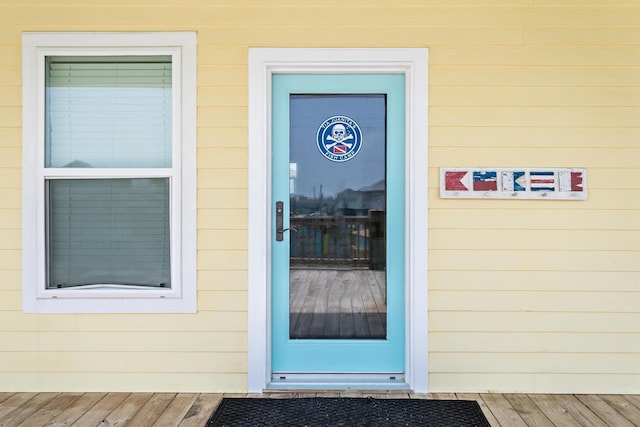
[339,138]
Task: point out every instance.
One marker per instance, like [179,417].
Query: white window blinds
[109,231]
[108,112]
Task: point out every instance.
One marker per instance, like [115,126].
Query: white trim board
[263,62]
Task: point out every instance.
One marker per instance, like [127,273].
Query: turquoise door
[338,300]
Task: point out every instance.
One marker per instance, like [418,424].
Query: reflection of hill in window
[359,202]
[77,164]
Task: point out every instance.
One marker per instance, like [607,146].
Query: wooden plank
[75,410]
[25,411]
[14,402]
[444,396]
[577,410]
[5,395]
[377,325]
[301,291]
[201,410]
[528,410]
[359,319]
[380,289]
[634,399]
[55,407]
[305,394]
[176,410]
[608,414]
[503,411]
[485,409]
[152,409]
[319,309]
[347,326]
[308,307]
[394,394]
[101,409]
[552,411]
[624,407]
[126,410]
[335,288]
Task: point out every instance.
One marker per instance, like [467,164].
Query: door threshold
[297,381]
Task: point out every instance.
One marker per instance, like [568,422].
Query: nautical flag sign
[513,183]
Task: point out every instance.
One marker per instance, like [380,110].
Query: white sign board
[513,183]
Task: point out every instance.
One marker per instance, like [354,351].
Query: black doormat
[349,412]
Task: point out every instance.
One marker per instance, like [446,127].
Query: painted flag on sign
[542,180]
[519,181]
[453,181]
[570,181]
[485,181]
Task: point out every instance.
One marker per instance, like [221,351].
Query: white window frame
[181,297]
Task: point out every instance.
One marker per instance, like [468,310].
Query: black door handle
[280,222]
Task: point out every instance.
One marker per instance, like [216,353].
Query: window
[109,172]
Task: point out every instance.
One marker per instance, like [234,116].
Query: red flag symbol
[576,181]
[453,181]
[339,149]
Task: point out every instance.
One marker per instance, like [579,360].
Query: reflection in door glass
[337,179]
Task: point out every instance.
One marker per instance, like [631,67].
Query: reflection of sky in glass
[109,126]
[315,172]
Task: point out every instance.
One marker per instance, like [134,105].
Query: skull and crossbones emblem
[339,136]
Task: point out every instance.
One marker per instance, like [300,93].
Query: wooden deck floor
[337,303]
[186,409]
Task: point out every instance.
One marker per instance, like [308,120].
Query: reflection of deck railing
[347,240]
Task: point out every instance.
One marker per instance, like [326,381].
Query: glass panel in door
[337,207]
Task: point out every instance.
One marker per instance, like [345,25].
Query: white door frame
[263,62]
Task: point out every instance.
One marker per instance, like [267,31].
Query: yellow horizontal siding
[222,136]
[542,157]
[117,361]
[10,239]
[222,279]
[170,382]
[525,116]
[534,96]
[222,259]
[534,363]
[532,136]
[510,216]
[227,321]
[222,300]
[222,219]
[535,301]
[583,383]
[224,198]
[525,295]
[222,239]
[222,158]
[92,342]
[530,260]
[10,259]
[536,240]
[523,77]
[223,178]
[533,342]
[539,322]
[541,281]
[10,116]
